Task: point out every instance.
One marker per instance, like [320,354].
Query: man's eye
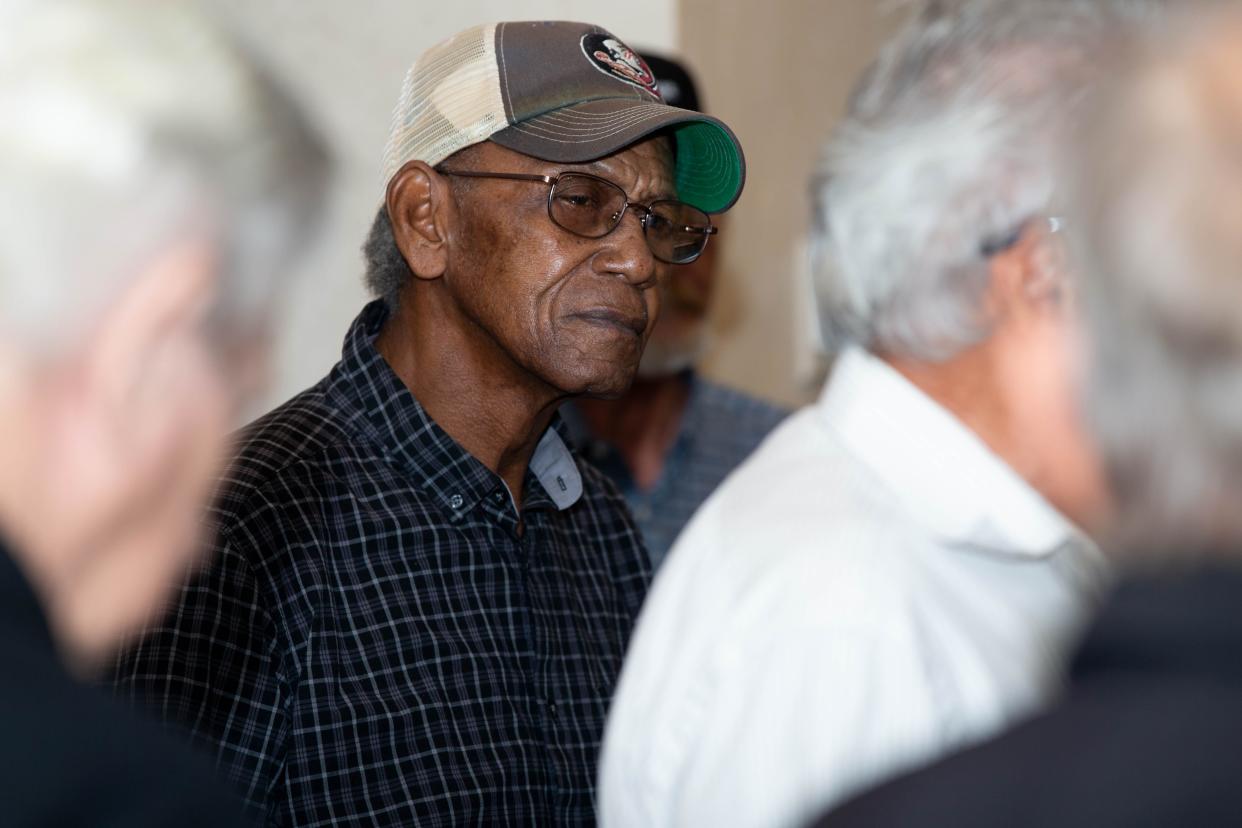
[576,200]
[660,223]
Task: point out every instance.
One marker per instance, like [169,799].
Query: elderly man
[898,570]
[422,598]
[672,438]
[142,228]
[1148,732]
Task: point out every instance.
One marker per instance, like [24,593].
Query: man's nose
[626,252]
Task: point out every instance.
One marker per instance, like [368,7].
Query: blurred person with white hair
[152,184]
[900,569]
[1149,728]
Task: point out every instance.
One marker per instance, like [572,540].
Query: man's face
[121,480]
[1040,370]
[573,312]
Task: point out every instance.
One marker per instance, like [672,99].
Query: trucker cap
[557,91]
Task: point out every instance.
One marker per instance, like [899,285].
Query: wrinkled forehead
[647,166]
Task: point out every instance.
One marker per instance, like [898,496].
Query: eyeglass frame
[551,180]
[995,245]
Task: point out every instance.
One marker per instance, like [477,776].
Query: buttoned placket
[520,536]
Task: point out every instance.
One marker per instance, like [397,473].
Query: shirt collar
[377,403]
[554,467]
[939,470]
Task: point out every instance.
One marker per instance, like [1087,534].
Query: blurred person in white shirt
[1147,732]
[902,567]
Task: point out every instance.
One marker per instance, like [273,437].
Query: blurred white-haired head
[129,125]
[1157,188]
[153,186]
[947,149]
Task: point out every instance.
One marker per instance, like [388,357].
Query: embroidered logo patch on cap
[612,57]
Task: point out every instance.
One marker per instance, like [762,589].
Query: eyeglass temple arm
[546,179]
[698,228]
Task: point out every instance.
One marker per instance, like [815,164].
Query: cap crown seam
[510,112]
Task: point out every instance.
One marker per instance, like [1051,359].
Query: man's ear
[421,210]
[1028,276]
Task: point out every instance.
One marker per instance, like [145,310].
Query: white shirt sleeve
[796,702]
[798,722]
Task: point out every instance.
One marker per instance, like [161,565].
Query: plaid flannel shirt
[374,643]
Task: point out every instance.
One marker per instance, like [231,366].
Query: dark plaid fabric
[376,642]
[719,429]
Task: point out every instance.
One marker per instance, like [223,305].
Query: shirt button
[552,709]
[499,497]
[456,501]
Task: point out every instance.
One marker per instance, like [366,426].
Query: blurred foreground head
[153,187]
[946,155]
[936,239]
[1159,241]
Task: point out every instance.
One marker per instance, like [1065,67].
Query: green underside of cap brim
[710,171]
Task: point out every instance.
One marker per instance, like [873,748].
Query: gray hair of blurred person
[1158,244]
[130,126]
[948,145]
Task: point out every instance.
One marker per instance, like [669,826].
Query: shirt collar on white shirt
[941,471]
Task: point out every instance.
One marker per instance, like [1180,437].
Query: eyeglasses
[592,207]
[996,245]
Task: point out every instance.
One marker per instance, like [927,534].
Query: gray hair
[387,272]
[1158,245]
[130,126]
[948,144]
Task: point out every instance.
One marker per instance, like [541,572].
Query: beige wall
[779,73]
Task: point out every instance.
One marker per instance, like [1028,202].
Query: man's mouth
[634,324]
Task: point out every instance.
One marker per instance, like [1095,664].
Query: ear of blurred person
[1038,369]
[1017,388]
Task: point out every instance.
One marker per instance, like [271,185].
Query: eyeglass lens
[592,207]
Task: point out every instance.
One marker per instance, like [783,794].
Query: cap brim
[711,169]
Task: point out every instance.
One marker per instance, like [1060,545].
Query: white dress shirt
[872,588]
